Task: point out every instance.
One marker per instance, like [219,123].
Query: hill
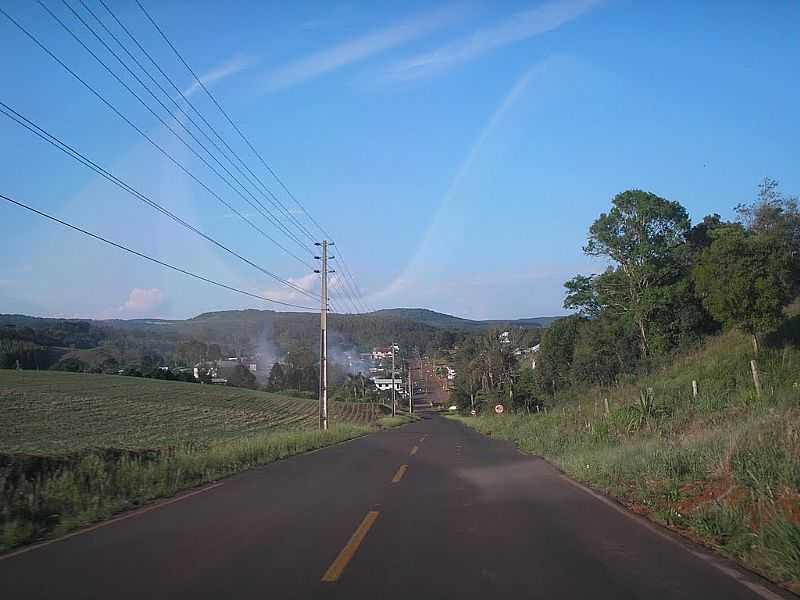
[109,345]
[445,321]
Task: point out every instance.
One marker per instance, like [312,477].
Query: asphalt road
[468,517]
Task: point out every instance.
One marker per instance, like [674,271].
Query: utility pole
[410,392]
[394,401]
[323,335]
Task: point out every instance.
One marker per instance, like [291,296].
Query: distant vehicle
[453,407]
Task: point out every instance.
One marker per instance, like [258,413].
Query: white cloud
[141,302]
[518,27]
[229,67]
[356,50]
[308,283]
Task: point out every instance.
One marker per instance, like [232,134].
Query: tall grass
[92,486]
[724,466]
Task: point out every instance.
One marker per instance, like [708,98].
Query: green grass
[53,412]
[78,448]
[723,468]
[389,421]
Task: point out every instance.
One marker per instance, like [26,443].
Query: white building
[383,385]
[381,353]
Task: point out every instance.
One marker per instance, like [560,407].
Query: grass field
[52,412]
[77,448]
[723,468]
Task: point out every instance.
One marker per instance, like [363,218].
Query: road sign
[498,409]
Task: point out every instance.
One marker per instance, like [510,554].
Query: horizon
[80,318]
[458,152]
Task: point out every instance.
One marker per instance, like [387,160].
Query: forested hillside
[109,345]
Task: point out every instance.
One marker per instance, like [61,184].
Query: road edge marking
[348,552]
[117,519]
[669,535]
[400,472]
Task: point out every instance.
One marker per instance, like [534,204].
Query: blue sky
[458,152]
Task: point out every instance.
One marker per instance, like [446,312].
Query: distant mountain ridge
[423,316]
[445,321]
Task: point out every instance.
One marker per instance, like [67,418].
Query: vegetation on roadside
[675,387]
[77,448]
[45,498]
[722,467]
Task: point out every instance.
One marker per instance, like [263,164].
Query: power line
[150,258]
[226,115]
[269,216]
[238,130]
[343,296]
[258,207]
[274,199]
[341,283]
[189,103]
[87,162]
[148,138]
[352,279]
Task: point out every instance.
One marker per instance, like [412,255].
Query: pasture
[55,412]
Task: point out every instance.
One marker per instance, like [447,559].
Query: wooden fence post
[756,380]
[694,389]
[605,402]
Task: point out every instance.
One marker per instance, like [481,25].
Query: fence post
[605,402]
[756,380]
[694,389]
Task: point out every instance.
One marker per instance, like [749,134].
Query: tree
[775,216]
[214,352]
[604,348]
[556,353]
[150,360]
[277,378]
[526,389]
[744,280]
[641,234]
[242,377]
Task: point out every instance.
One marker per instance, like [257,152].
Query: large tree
[744,279]
[642,234]
[554,360]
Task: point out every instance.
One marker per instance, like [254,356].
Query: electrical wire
[241,134]
[148,138]
[54,141]
[258,206]
[150,258]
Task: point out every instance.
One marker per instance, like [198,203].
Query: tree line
[667,284]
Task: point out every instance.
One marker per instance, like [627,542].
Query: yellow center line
[414,450]
[400,472]
[346,555]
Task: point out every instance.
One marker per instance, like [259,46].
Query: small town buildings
[381,353]
[384,385]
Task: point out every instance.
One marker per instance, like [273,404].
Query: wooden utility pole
[323,337]
[410,392]
[394,400]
